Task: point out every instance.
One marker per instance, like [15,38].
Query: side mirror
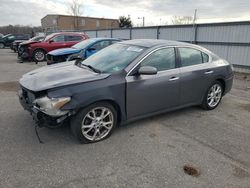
[147,70]
[50,41]
[78,60]
[75,57]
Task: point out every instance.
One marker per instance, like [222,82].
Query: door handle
[174,78]
[209,72]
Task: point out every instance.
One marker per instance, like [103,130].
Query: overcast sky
[30,12]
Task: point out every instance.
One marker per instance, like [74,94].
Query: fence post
[130,33]
[195,28]
[158,32]
[96,33]
[195,34]
[111,33]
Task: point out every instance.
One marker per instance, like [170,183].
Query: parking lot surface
[147,153]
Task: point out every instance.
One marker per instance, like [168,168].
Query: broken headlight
[52,106]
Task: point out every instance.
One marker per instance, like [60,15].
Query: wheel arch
[39,48]
[223,83]
[111,102]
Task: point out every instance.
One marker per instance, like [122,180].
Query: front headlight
[52,106]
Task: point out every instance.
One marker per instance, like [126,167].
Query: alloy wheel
[214,95]
[97,123]
[39,55]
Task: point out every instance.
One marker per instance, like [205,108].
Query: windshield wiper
[92,68]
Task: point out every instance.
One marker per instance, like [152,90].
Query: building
[52,22]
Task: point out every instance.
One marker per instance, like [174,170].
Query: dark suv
[7,40]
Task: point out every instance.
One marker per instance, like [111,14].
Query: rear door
[196,75]
[71,40]
[151,93]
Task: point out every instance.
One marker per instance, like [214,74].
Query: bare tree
[178,20]
[76,10]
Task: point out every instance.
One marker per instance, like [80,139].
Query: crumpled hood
[64,51]
[58,75]
[28,42]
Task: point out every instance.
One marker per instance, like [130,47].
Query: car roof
[149,43]
[104,38]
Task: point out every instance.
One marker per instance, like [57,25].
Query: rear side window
[205,57]
[163,59]
[72,38]
[190,57]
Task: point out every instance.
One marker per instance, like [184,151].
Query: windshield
[114,58]
[83,44]
[5,36]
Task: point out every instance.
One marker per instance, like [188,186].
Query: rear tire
[213,96]
[94,123]
[38,55]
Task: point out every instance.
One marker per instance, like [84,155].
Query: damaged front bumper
[41,118]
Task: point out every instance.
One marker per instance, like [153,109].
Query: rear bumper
[228,84]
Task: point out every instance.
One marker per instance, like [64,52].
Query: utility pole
[143,20]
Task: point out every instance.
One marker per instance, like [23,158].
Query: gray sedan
[122,83]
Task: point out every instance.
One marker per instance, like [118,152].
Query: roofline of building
[78,17]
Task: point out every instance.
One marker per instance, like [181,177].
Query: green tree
[125,22]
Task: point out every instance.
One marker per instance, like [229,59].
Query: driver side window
[100,45]
[59,38]
[163,59]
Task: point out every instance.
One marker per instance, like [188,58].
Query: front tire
[2,45]
[39,55]
[213,96]
[94,123]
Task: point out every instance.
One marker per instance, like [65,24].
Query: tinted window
[11,37]
[83,44]
[114,58]
[190,56]
[72,38]
[205,57]
[59,38]
[100,45]
[163,59]
[114,41]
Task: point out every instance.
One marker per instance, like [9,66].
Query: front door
[56,43]
[152,93]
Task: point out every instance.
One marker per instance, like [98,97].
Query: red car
[37,51]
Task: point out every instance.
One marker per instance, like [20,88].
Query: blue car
[81,50]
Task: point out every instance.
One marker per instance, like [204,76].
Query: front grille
[28,96]
[56,59]
[49,57]
[31,96]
